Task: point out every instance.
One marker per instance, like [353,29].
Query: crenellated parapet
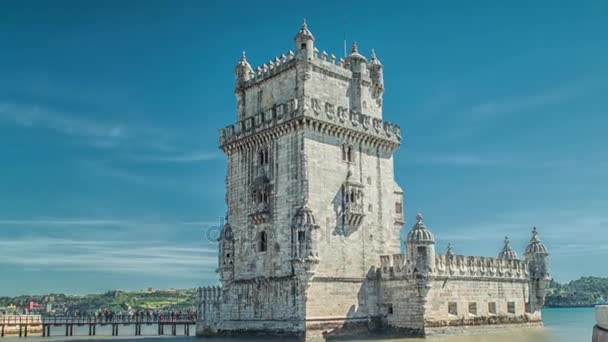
[268,70]
[323,116]
[210,294]
[397,266]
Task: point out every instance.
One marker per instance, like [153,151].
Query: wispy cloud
[109,256]
[40,117]
[493,108]
[564,231]
[191,157]
[138,143]
[462,160]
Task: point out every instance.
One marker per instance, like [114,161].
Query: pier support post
[25,330]
[2,333]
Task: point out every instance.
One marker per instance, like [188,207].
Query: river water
[561,325]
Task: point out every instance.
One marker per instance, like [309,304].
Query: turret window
[398,207]
[348,153]
[263,157]
[262,242]
[301,236]
[262,197]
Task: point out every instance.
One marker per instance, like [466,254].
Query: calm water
[561,325]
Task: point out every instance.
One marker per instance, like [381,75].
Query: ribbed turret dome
[535,246]
[304,33]
[507,252]
[355,53]
[304,217]
[374,60]
[243,67]
[419,233]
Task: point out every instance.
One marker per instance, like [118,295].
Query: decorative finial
[373,54]
[304,23]
[243,57]
[506,240]
[419,217]
[354,48]
[450,249]
[534,235]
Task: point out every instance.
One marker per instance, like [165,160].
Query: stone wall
[350,251]
[471,300]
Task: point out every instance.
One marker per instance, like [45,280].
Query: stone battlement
[337,68]
[270,69]
[397,266]
[210,294]
[320,112]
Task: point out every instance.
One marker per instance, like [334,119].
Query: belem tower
[311,245]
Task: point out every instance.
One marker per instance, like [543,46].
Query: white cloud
[109,256]
[135,142]
[463,160]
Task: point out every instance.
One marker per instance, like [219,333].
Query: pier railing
[22,325]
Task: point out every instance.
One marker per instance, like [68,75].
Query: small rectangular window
[473,309]
[301,236]
[398,207]
[492,308]
[453,308]
[511,307]
[389,308]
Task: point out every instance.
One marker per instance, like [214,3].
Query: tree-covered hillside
[112,300]
[586,291]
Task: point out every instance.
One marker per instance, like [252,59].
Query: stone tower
[312,201]
[312,233]
[537,259]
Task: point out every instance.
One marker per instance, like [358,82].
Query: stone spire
[243,71]
[304,32]
[507,252]
[449,250]
[376,73]
[419,232]
[420,246]
[305,43]
[535,247]
[375,60]
[354,53]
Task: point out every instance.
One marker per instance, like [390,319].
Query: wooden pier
[24,325]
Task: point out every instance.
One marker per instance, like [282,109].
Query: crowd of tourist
[107,315]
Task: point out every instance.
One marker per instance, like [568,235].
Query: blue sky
[110,172]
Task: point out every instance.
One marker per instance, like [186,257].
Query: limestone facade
[311,244]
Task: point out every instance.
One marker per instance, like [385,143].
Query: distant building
[311,244]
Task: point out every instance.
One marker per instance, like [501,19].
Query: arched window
[262,242]
[348,153]
[264,156]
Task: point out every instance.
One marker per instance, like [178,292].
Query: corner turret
[305,43]
[537,259]
[507,252]
[420,245]
[357,62]
[376,72]
[243,71]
